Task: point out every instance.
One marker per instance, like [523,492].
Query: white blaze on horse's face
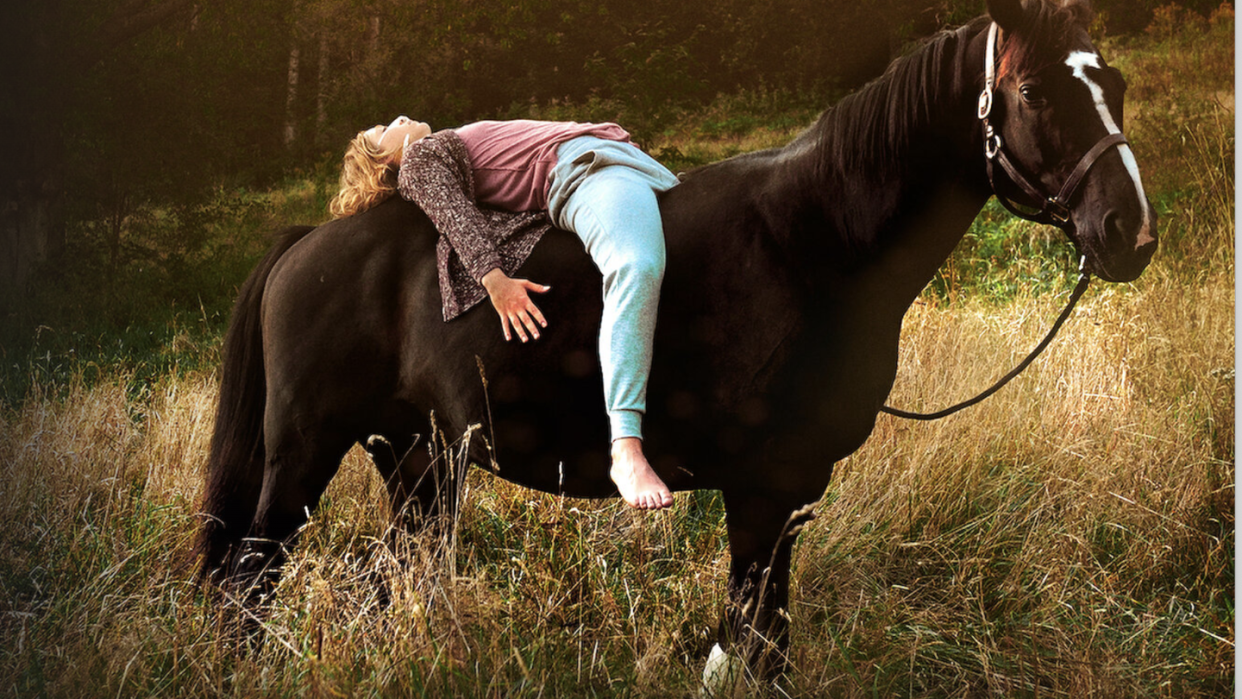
[1078,62]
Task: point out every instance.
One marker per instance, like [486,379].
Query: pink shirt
[511,160]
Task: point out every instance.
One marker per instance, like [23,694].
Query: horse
[789,273]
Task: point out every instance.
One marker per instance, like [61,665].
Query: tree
[47,47]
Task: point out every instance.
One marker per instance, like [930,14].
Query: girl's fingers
[517,327]
[533,310]
[530,324]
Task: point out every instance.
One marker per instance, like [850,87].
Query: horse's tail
[235,463]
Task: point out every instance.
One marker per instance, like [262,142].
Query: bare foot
[640,487]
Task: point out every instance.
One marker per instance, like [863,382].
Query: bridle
[1054,210]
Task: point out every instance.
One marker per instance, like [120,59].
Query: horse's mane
[870,133]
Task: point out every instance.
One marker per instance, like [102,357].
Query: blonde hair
[368,177]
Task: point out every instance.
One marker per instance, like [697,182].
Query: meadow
[1072,536]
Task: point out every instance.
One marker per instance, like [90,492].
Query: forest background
[130,129]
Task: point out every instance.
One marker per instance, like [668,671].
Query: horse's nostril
[1119,229]
[1145,246]
[1114,225]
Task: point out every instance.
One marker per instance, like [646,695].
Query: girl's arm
[434,180]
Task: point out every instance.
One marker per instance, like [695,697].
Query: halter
[1054,210]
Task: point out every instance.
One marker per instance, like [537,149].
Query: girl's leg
[615,212]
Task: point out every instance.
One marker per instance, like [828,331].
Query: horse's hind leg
[422,488]
[400,461]
[300,463]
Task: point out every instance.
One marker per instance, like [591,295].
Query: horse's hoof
[724,676]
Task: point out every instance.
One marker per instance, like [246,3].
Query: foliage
[1182,127]
[160,307]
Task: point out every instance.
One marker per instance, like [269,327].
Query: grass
[161,309]
[1073,535]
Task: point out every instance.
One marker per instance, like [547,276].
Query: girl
[585,178]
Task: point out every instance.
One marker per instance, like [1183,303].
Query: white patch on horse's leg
[1078,62]
[723,675]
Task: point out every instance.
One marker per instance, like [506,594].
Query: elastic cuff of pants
[626,423]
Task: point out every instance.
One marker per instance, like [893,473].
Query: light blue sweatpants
[605,192]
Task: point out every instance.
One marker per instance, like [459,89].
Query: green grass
[162,309]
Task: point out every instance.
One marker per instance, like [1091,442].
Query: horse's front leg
[754,631]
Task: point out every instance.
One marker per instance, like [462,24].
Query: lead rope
[1084,279]
[994,150]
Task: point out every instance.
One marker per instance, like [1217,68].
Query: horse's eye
[1032,95]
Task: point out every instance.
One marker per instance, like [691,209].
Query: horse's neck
[896,215]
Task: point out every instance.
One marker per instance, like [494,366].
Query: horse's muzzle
[1123,247]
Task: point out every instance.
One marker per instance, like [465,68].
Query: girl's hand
[512,302]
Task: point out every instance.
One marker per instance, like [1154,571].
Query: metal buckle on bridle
[1058,212]
[992,143]
[985,102]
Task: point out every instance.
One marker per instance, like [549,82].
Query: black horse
[789,272]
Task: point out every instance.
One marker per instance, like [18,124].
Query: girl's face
[402,130]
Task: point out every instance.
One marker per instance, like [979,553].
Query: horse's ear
[1007,13]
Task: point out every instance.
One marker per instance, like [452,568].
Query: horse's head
[1052,114]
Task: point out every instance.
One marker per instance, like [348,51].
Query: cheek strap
[1050,210]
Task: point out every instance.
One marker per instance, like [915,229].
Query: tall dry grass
[529,590]
[1072,535]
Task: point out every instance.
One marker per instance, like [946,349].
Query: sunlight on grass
[1073,533]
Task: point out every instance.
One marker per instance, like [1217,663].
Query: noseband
[1054,210]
